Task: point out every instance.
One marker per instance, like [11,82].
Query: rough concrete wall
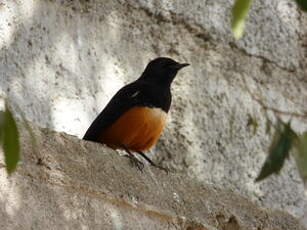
[63,60]
[65,183]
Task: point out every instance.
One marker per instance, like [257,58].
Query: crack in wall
[200,32]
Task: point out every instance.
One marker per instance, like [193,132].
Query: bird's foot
[152,163]
[135,162]
[162,168]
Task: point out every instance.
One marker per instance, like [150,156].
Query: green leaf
[302,4]
[279,150]
[10,141]
[239,14]
[1,125]
[301,155]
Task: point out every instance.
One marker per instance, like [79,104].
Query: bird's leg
[151,162]
[134,161]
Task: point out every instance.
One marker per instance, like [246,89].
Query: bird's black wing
[124,99]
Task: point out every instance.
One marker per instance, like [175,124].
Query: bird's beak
[181,65]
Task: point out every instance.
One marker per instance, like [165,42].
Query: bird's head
[162,70]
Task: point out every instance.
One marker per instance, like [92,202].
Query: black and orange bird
[134,118]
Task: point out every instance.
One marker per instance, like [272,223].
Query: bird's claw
[162,168]
[135,162]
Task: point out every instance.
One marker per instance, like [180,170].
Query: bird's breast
[137,129]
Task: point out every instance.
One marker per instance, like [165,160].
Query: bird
[135,117]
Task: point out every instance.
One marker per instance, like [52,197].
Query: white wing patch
[135,94]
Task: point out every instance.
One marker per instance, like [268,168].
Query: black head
[162,70]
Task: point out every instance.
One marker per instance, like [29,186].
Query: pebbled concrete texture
[61,62]
[66,183]
[272,32]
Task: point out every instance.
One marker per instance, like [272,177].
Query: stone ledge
[66,183]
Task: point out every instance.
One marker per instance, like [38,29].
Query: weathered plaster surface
[65,183]
[61,61]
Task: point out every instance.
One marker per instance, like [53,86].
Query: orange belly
[137,129]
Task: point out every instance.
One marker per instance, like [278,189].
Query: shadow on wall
[46,62]
[51,54]
[63,61]
[37,197]
[43,62]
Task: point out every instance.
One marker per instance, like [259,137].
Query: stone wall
[61,61]
[66,183]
